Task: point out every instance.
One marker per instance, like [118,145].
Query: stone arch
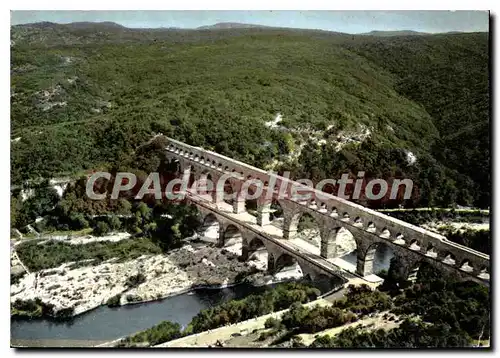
[376,258]
[204,184]
[322,207]
[174,165]
[232,236]
[358,222]
[414,245]
[256,244]
[448,258]
[211,228]
[228,192]
[399,239]
[466,266]
[385,233]
[286,266]
[484,273]
[307,228]
[313,204]
[248,201]
[345,243]
[370,227]
[257,253]
[431,251]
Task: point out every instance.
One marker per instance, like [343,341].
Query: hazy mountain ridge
[394,33]
[231,25]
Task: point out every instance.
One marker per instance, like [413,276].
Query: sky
[340,21]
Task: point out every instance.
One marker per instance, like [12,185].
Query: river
[105,323]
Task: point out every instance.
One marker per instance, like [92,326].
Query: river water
[104,323]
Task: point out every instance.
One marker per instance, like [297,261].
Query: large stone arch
[211,228]
[255,244]
[285,260]
[293,220]
[372,257]
[256,250]
[232,235]
[308,228]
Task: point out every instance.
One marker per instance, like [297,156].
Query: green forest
[84,100]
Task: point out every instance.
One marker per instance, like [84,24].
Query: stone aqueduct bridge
[411,244]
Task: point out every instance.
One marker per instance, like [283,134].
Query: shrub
[135,280]
[114,301]
[101,229]
[133,298]
[272,322]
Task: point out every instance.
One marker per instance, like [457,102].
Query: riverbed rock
[83,287]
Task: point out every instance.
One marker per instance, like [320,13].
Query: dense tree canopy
[97,98]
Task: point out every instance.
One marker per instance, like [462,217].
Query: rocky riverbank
[76,287]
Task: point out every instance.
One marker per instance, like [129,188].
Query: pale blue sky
[342,21]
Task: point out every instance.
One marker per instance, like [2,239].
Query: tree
[78,222]
[100,229]
[123,207]
[14,211]
[114,222]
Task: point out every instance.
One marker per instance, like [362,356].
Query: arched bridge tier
[412,244]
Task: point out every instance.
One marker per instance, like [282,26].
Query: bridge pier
[263,212]
[270,263]
[289,227]
[364,264]
[328,248]
[239,205]
[244,250]
[328,244]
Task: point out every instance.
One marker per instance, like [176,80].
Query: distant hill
[230,25]
[95,25]
[74,25]
[394,33]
